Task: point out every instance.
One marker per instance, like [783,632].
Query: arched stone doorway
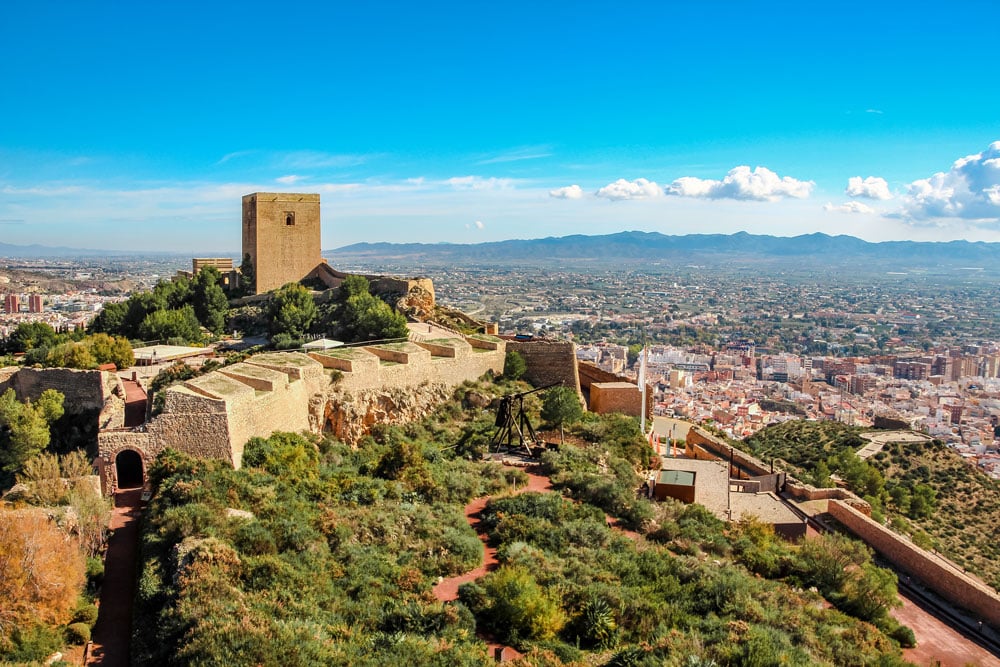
[128,469]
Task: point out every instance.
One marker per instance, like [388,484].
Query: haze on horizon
[140,127]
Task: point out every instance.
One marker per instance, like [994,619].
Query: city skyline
[142,129]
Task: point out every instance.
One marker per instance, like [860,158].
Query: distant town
[728,346]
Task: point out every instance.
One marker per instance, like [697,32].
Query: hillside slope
[925,490]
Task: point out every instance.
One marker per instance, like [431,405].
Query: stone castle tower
[281,234]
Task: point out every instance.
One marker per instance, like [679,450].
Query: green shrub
[78,633]
[904,635]
[85,613]
[514,365]
[33,644]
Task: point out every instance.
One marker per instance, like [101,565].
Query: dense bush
[331,554]
[78,633]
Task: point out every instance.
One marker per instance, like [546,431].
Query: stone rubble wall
[938,574]
[549,362]
[84,390]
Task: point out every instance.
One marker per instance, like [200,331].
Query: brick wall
[935,572]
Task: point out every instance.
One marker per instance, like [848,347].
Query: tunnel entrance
[128,469]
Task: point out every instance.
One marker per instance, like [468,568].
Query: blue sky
[140,125]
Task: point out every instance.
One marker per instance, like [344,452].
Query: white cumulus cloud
[760,184]
[622,189]
[479,183]
[849,207]
[568,192]
[969,190]
[872,187]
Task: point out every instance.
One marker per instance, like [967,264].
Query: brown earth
[937,643]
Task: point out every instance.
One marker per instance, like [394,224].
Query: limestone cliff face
[349,416]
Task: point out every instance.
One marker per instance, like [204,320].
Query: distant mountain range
[36,251]
[818,248]
[627,246]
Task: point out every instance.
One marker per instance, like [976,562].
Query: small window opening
[289,218]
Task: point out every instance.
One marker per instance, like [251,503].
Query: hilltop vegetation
[317,553]
[967,505]
[925,490]
[52,531]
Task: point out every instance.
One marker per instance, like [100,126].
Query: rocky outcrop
[413,297]
[350,416]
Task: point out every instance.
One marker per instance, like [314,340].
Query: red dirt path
[135,403]
[447,589]
[938,643]
[113,631]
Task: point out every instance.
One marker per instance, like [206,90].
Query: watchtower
[281,234]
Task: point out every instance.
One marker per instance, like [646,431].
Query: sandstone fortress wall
[343,391]
[549,362]
[85,392]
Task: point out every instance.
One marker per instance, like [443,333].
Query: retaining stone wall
[935,572]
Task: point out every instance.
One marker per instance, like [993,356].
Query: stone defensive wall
[549,362]
[214,415]
[86,393]
[411,295]
[84,390]
[938,574]
[448,361]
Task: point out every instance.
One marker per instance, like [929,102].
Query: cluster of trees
[42,345]
[175,310]
[24,429]
[46,555]
[332,551]
[354,314]
[821,450]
